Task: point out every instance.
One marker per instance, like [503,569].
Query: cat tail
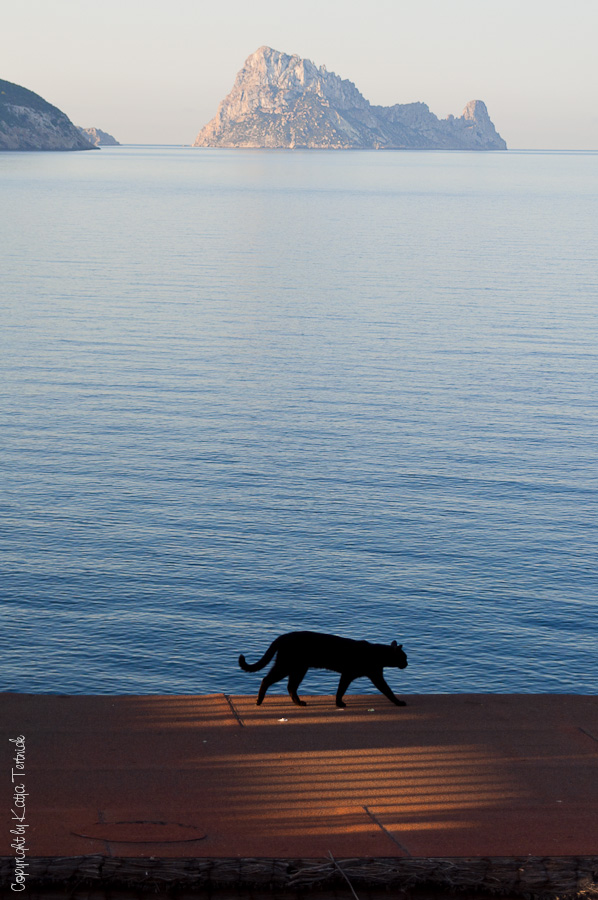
[253,667]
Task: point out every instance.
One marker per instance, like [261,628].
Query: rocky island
[282,101]
[99,138]
[28,122]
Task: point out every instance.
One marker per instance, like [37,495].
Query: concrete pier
[164,783]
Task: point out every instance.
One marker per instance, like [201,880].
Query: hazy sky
[154,71]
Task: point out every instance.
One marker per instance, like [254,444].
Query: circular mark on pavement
[141,832]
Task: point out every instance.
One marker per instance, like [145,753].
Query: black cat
[301,650]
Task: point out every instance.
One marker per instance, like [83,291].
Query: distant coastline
[99,138]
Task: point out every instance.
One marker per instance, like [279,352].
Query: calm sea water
[249,392]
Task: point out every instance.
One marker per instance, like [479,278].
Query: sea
[250,392]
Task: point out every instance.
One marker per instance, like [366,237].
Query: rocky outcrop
[99,138]
[282,101]
[27,122]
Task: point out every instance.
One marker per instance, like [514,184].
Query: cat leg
[276,673]
[379,682]
[345,681]
[295,679]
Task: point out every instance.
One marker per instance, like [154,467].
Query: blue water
[249,392]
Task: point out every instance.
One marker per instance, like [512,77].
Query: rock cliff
[282,101]
[27,122]
[99,138]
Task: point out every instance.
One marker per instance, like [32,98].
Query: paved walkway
[211,776]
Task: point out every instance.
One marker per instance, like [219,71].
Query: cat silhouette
[298,651]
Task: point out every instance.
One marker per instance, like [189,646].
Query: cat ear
[394,644]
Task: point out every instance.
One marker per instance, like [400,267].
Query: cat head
[400,657]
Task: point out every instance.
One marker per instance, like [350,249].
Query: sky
[154,71]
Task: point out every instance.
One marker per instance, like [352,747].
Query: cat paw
[341,705]
[400,703]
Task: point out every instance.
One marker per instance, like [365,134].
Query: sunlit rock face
[99,138]
[282,101]
[28,122]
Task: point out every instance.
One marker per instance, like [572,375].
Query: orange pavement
[206,776]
